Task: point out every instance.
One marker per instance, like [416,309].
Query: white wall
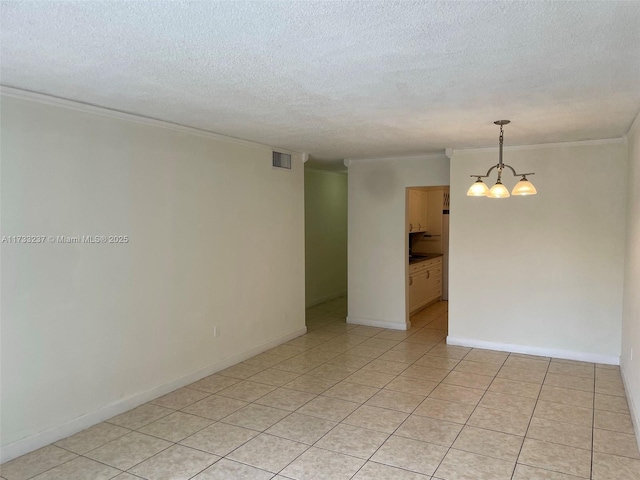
[378,241]
[631,300]
[540,274]
[325,222]
[216,238]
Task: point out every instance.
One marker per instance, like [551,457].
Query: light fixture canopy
[523,187]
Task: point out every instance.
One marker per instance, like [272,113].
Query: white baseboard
[377,323]
[326,298]
[633,408]
[59,432]
[540,351]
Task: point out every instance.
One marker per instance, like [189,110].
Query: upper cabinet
[437,203]
[417,210]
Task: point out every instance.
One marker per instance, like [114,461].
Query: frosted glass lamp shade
[498,191]
[478,189]
[524,187]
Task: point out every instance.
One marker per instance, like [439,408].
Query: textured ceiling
[340,79]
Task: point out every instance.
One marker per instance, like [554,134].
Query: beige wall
[216,239]
[325,225]
[378,241]
[540,274]
[631,304]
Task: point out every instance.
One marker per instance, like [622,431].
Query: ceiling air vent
[282,160]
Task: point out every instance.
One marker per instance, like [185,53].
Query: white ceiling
[340,79]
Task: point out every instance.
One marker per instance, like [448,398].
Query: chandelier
[480,189]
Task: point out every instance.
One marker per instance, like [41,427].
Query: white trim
[633,408]
[634,124]
[536,146]
[330,172]
[347,162]
[539,351]
[326,298]
[54,434]
[369,322]
[132,117]
[423,156]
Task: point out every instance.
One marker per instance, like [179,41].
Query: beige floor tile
[286,399]
[397,335]
[256,417]
[513,387]
[229,470]
[477,368]
[611,403]
[301,428]
[241,370]
[470,380]
[558,458]
[390,399]
[449,351]
[140,416]
[298,364]
[286,351]
[441,363]
[430,430]
[351,440]
[553,431]
[414,455]
[176,426]
[178,399]
[318,464]
[92,437]
[486,356]
[525,472]
[366,331]
[311,384]
[558,412]
[368,352]
[455,393]
[349,361]
[335,372]
[573,370]
[214,383]
[126,476]
[306,341]
[525,363]
[351,392]
[521,375]
[610,387]
[382,343]
[489,443]
[265,360]
[127,451]
[400,356]
[370,379]
[508,403]
[268,452]
[459,465]
[608,467]
[618,422]
[567,381]
[215,407]
[615,443]
[425,373]
[246,391]
[377,471]
[36,462]
[498,420]
[386,367]
[219,438]
[567,396]
[572,362]
[443,410]
[79,469]
[174,463]
[273,377]
[608,374]
[374,418]
[329,408]
[411,385]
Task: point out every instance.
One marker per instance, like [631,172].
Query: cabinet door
[435,205]
[417,210]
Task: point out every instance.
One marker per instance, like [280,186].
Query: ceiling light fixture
[480,189]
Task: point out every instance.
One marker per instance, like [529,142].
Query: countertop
[423,258]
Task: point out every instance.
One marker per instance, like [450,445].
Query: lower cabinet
[425,283]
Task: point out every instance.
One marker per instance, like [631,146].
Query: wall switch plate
[216,331]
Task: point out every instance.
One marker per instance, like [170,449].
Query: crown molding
[540,146]
[131,117]
[424,156]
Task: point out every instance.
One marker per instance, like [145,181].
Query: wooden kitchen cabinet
[425,283]
[417,210]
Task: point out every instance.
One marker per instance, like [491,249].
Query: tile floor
[363,403]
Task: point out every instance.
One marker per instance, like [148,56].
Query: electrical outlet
[216,331]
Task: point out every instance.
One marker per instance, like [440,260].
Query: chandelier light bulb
[498,191]
[524,187]
[478,189]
